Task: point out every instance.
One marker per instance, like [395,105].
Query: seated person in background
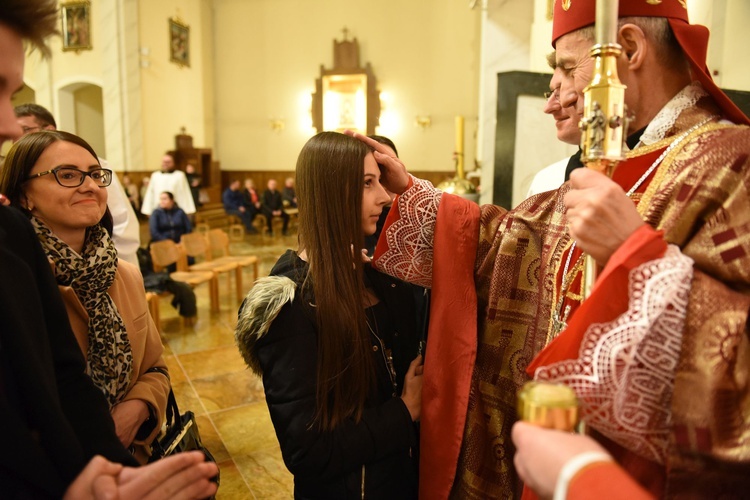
[251,202]
[334,319]
[55,178]
[288,195]
[171,179]
[234,205]
[131,190]
[168,221]
[144,187]
[56,422]
[273,206]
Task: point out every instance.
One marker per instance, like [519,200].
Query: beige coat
[129,296]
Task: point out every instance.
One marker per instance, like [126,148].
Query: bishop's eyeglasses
[71,177]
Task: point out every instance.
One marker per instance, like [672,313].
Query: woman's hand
[600,216]
[412,393]
[129,416]
[393,175]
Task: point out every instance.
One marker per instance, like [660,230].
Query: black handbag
[181,435]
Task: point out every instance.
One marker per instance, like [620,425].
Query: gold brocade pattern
[700,197]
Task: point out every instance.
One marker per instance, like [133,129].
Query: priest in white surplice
[172,180]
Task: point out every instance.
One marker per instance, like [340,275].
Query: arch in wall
[80,110]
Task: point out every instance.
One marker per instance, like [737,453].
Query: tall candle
[460,146]
[606,21]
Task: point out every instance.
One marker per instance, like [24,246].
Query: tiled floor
[210,378]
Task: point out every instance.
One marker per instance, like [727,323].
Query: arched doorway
[81,111]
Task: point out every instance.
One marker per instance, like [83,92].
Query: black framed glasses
[71,177]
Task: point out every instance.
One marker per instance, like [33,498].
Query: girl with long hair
[336,341]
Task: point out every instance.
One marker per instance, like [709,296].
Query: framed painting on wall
[179,42]
[76,25]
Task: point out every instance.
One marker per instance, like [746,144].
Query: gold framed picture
[76,25]
[179,42]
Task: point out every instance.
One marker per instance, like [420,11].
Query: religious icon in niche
[345,102]
[346,96]
[76,25]
[179,42]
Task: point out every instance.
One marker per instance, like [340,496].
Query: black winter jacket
[331,465]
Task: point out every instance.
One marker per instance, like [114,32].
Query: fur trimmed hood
[260,307]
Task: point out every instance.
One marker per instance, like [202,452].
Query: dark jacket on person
[289,196]
[272,200]
[54,419]
[232,200]
[382,446]
[169,224]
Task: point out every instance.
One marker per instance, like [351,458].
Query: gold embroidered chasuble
[699,197]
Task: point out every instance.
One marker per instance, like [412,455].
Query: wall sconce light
[423,121]
[145,57]
[277,124]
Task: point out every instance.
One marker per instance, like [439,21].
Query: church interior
[236,87]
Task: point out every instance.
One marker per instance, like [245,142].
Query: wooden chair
[167,252]
[196,246]
[236,228]
[219,242]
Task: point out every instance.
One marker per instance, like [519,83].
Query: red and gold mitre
[571,15]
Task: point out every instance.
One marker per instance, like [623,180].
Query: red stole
[451,342]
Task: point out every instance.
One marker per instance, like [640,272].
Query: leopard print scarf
[109,357]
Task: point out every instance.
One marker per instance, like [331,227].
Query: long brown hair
[330,179]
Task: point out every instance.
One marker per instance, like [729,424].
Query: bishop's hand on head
[394,176]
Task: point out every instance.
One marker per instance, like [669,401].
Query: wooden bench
[214,216]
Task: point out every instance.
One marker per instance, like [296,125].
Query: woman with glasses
[55,178]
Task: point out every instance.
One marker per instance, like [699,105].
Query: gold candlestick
[460,147]
[606,21]
[552,406]
[460,185]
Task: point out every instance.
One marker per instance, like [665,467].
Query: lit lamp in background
[552,406]
[460,185]
[423,121]
[277,124]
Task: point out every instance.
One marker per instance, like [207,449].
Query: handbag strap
[173,411]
